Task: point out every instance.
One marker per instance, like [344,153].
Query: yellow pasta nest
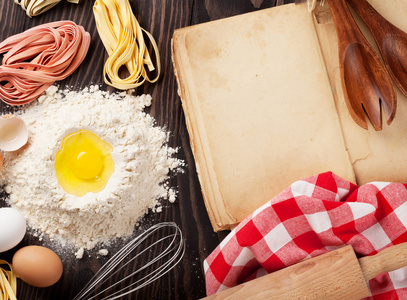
[124,41]
[36,7]
[8,282]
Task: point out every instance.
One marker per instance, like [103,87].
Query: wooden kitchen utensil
[366,83]
[391,41]
[334,275]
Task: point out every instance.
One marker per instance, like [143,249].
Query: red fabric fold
[311,217]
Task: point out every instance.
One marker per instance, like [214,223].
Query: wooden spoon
[391,41]
[365,81]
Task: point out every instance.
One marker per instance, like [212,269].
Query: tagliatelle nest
[124,41]
[54,51]
[8,282]
[36,7]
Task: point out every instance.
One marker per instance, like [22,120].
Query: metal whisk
[173,251]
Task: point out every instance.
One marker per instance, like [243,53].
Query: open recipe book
[264,107]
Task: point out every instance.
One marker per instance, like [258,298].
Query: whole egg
[12,228]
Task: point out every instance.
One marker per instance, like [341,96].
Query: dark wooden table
[160,18]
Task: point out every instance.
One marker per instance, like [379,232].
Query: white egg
[12,228]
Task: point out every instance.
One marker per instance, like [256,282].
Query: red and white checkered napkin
[309,218]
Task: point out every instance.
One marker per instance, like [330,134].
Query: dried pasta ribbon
[124,42]
[37,57]
[36,7]
[8,282]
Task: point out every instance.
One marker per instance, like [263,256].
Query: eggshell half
[13,133]
[38,266]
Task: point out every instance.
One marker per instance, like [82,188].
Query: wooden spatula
[366,84]
[391,41]
[335,275]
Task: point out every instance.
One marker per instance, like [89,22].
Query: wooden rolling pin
[334,275]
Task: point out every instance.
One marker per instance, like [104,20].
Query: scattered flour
[79,253]
[103,252]
[142,157]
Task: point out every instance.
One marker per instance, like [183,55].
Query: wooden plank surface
[160,18]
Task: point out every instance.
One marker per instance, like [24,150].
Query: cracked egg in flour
[84,163]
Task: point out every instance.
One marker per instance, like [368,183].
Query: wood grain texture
[160,18]
[389,259]
[390,40]
[365,81]
[334,275]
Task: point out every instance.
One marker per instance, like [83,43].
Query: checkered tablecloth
[309,218]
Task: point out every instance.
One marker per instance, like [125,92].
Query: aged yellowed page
[258,106]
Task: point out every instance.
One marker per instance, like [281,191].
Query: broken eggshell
[13,133]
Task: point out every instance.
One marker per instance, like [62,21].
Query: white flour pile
[142,157]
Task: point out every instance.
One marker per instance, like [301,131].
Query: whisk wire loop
[174,249]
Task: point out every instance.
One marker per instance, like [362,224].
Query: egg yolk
[84,163]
